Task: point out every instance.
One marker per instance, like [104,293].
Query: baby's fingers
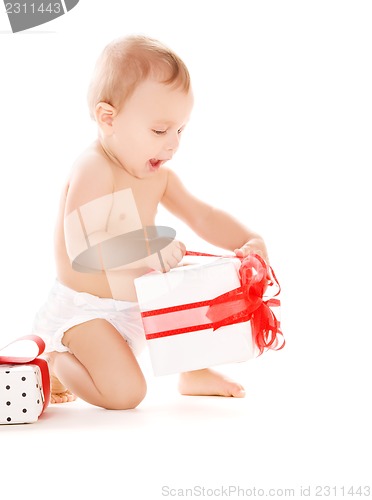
[244,250]
[248,249]
[182,247]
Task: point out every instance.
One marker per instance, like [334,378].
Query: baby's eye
[159,132]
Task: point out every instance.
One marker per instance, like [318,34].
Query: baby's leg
[208,382]
[101,368]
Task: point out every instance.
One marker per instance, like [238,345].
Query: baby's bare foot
[207,382]
[58,393]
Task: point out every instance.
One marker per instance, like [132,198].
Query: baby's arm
[212,224]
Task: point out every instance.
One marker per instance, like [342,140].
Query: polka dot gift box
[24,381]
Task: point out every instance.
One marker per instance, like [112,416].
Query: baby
[141,99]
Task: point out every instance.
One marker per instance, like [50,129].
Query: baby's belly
[118,285]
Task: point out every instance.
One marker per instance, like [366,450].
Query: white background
[283,107]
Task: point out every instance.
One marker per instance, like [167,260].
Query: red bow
[32,360]
[247,303]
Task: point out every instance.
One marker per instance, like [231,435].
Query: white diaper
[66,308]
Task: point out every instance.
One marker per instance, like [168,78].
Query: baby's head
[127,62]
[141,99]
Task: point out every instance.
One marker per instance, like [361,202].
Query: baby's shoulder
[93,165]
[90,178]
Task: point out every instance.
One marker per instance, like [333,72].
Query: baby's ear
[104,114]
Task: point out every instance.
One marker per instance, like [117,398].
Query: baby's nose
[173,143]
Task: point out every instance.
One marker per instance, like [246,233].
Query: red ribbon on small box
[245,303]
[32,360]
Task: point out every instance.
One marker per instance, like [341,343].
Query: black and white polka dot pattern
[21,395]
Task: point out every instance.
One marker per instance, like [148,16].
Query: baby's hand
[170,256]
[255,245]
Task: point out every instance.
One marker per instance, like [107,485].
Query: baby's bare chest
[134,205]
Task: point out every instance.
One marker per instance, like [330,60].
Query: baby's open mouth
[155,163]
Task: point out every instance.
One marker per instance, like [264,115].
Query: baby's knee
[127,399]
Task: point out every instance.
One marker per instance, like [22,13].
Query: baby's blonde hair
[128,61]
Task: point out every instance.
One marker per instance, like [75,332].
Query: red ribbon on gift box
[246,303]
[32,360]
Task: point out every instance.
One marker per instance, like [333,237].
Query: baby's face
[147,130]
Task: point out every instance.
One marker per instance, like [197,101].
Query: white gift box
[21,394]
[174,349]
